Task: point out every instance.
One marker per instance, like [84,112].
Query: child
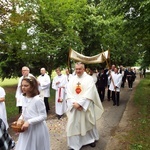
[36,134]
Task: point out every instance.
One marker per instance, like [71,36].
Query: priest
[83,109]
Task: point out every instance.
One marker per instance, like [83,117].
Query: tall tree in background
[39,33]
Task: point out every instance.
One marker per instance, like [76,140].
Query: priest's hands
[77,106]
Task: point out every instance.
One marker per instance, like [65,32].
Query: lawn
[9,82]
[139,137]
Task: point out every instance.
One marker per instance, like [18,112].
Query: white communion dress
[36,137]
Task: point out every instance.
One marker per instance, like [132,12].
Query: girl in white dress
[36,134]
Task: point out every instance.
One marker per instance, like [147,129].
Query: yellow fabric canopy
[99,58]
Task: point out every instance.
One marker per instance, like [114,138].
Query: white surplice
[44,87]
[116,80]
[3,114]
[36,137]
[60,107]
[81,125]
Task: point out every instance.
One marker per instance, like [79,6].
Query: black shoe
[93,144]
[59,116]
[114,104]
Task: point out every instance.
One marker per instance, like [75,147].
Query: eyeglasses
[24,70]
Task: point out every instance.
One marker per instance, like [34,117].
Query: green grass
[10,102]
[139,137]
[8,82]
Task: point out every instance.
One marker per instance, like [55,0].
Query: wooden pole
[69,61]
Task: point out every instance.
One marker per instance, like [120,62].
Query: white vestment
[44,86]
[116,80]
[36,137]
[94,75]
[60,107]
[81,125]
[3,114]
[68,78]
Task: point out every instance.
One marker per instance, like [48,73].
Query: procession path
[114,121]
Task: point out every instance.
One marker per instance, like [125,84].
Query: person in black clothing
[130,77]
[108,84]
[101,84]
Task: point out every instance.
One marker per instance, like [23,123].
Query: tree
[40,33]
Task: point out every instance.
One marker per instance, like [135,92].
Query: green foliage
[40,33]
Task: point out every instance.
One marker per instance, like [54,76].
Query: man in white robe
[84,108]
[115,84]
[58,84]
[44,87]
[25,73]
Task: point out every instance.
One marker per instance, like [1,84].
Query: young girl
[36,134]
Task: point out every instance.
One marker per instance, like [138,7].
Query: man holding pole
[116,80]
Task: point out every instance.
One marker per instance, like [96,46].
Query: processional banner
[99,58]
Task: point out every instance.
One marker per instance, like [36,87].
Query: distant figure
[144,73]
[68,74]
[3,114]
[101,84]
[134,70]
[123,72]
[130,77]
[59,84]
[94,75]
[141,73]
[25,73]
[44,87]
[108,84]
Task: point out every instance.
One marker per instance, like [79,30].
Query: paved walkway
[106,125]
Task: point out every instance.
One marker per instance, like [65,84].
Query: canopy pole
[69,61]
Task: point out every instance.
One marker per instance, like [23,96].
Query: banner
[100,58]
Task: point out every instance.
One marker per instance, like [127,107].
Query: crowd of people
[113,80]
[78,95]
